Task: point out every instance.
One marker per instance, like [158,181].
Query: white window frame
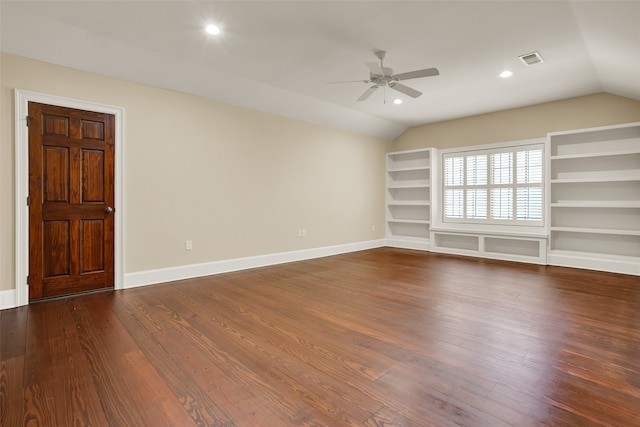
[489,149]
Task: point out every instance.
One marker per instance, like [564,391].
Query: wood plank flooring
[384,337]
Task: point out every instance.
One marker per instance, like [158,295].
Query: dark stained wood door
[71,192]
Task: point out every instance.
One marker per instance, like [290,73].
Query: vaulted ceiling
[279,56]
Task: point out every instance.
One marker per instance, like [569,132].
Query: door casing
[22,99]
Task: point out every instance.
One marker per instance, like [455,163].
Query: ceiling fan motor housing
[384,79]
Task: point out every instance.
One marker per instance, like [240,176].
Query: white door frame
[22,99]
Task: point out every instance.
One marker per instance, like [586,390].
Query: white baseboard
[599,262]
[151,277]
[8,299]
[409,243]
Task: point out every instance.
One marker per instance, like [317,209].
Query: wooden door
[71,199]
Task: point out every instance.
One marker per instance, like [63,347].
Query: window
[495,186]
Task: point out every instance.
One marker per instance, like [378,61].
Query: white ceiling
[278,56]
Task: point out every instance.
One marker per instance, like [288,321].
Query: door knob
[108,210]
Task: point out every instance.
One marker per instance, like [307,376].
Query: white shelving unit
[495,244]
[409,198]
[594,198]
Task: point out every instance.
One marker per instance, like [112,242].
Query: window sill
[511,230]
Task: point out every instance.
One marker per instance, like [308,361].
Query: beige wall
[237,182]
[522,123]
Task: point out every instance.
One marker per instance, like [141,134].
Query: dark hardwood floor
[384,337]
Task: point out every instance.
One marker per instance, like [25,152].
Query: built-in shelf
[405,186]
[591,245]
[592,204]
[409,221]
[581,254]
[586,180]
[409,169]
[484,244]
[594,198]
[635,150]
[409,203]
[614,231]
[596,204]
[409,198]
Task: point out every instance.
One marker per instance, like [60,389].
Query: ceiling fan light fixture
[506,74]
[212,29]
[397,101]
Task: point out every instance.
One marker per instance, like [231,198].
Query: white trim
[417,150]
[415,243]
[493,145]
[7,299]
[593,261]
[593,129]
[151,277]
[514,231]
[22,99]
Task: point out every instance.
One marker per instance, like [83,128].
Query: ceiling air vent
[531,58]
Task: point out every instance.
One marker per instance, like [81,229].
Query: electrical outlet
[304,232]
[373,228]
[188,245]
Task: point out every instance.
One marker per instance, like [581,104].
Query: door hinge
[27,280]
[29,118]
[28,201]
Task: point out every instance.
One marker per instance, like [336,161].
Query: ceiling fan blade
[405,89]
[427,72]
[350,81]
[367,93]
[375,68]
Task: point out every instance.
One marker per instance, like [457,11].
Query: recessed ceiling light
[506,74]
[397,101]
[212,29]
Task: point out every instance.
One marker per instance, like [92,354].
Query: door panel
[56,244]
[92,130]
[55,125]
[71,184]
[56,174]
[92,257]
[92,176]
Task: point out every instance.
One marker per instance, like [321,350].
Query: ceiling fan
[382,76]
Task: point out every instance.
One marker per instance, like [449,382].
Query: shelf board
[596,204]
[409,169]
[626,130]
[493,231]
[425,151]
[401,186]
[409,221]
[410,203]
[595,179]
[591,155]
[583,230]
